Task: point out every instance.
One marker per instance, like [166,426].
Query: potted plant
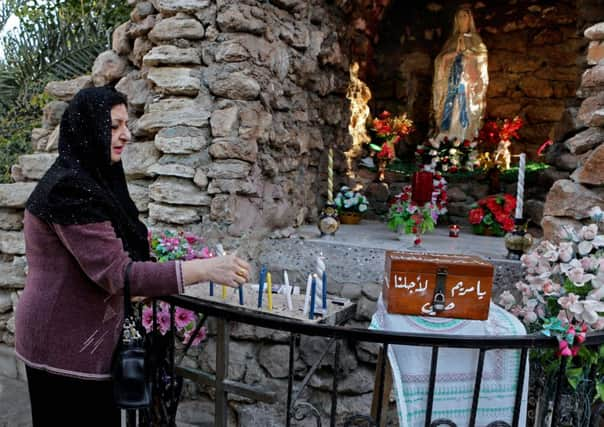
[351,205]
[408,217]
[493,215]
[561,295]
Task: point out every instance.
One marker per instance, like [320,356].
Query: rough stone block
[591,172]
[168,7]
[178,191]
[569,199]
[234,148]
[229,169]
[136,89]
[173,214]
[108,67]
[138,157]
[180,140]
[176,80]
[176,27]
[15,195]
[8,362]
[172,169]
[170,113]
[235,85]
[171,55]
[65,90]
[52,113]
[34,166]
[225,122]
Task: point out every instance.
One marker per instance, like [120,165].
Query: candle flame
[359,95]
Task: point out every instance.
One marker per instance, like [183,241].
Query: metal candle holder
[518,241]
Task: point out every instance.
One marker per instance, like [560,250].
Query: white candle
[520,187]
[288,292]
[330,176]
[320,268]
[307,297]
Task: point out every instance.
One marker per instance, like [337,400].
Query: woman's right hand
[226,270]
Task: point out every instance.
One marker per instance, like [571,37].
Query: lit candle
[261,285]
[313,296]
[307,297]
[288,292]
[330,176]
[211,288]
[269,290]
[520,187]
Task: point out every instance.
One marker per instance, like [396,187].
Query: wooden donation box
[439,285]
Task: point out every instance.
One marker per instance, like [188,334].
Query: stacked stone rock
[570,199]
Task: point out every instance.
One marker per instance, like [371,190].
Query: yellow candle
[269,290]
[224,290]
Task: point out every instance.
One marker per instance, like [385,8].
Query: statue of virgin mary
[461,79]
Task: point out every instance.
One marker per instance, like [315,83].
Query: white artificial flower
[362,208]
[596,214]
[433,152]
[507,299]
[452,151]
[585,247]
[344,189]
[565,251]
[456,142]
[349,194]
[587,310]
[348,203]
[588,232]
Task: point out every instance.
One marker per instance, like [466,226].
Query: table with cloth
[456,370]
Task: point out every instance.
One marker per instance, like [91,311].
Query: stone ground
[14,403]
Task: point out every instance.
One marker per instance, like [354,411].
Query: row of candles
[313,286]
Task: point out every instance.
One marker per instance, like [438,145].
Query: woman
[461,79]
[81,231]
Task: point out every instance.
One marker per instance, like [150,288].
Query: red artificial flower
[492,204]
[489,133]
[405,197]
[508,224]
[543,147]
[476,216]
[387,152]
[510,128]
[395,140]
[384,115]
[501,217]
[509,204]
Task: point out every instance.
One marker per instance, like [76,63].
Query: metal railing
[225,314]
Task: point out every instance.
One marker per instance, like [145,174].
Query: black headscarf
[83,186]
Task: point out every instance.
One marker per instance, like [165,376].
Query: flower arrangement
[407,216]
[168,246]
[389,130]
[447,155]
[350,201]
[493,215]
[497,136]
[561,296]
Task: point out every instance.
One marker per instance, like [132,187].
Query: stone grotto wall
[534,50]
[581,184]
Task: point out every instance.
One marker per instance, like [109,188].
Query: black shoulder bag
[130,373]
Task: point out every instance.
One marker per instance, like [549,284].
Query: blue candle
[324,289]
[261,285]
[211,288]
[313,291]
[240,294]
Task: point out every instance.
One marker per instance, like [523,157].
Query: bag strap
[128,311]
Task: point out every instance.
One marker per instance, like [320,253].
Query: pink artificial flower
[183,317]
[147,319]
[206,253]
[568,300]
[563,349]
[163,320]
[201,335]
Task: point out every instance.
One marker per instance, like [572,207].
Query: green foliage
[54,40]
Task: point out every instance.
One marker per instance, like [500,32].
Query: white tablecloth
[456,370]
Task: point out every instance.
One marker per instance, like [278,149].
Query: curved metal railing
[225,313]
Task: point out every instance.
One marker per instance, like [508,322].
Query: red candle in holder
[454,230]
[422,186]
